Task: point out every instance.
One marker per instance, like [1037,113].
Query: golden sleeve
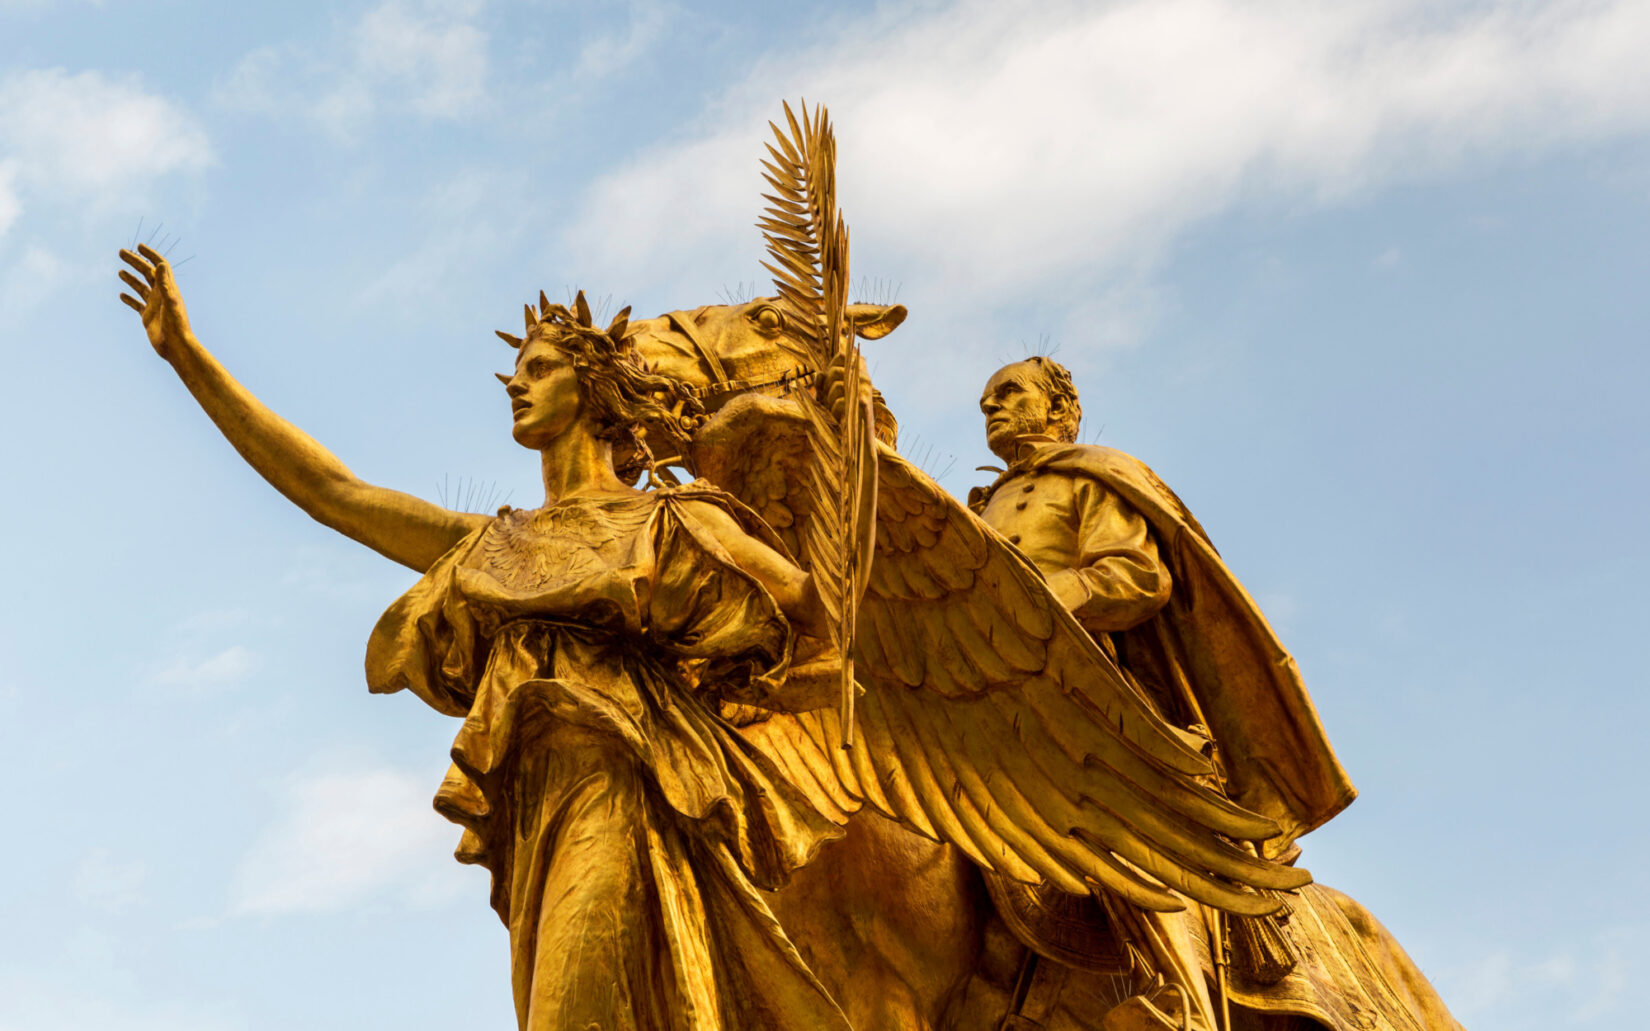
[1119,580]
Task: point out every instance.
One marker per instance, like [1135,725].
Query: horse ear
[875,321]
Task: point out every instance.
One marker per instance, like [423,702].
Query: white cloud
[47,1000]
[1591,980]
[10,205]
[345,838]
[340,569]
[606,55]
[471,214]
[32,277]
[1004,147]
[426,58]
[88,138]
[253,86]
[434,53]
[216,620]
[105,881]
[221,669]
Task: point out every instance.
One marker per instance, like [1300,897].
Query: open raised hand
[157,300]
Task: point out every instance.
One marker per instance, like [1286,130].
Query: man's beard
[1002,437]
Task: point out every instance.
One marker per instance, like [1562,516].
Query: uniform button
[1013,538]
[1021,505]
[1028,488]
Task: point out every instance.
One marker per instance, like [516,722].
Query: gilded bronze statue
[761,728]
[1127,557]
[626,826]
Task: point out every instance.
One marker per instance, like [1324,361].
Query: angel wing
[990,719]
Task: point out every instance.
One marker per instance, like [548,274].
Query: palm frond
[808,251]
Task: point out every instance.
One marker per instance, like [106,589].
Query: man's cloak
[1211,644]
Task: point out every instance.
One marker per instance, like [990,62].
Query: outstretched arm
[409,530]
[814,680]
[792,587]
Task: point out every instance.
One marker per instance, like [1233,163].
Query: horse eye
[768,319]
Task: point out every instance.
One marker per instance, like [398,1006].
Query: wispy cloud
[11,205]
[341,570]
[1390,258]
[32,276]
[470,214]
[217,620]
[427,59]
[106,881]
[87,139]
[1008,150]
[42,1001]
[610,53]
[206,673]
[431,51]
[1592,980]
[344,838]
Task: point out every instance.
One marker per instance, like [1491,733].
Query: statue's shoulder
[1103,463]
[694,491]
[1126,475]
[687,496]
[1108,466]
[683,499]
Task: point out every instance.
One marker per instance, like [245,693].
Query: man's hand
[1068,586]
[833,388]
[157,300]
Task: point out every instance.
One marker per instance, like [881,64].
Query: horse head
[724,350]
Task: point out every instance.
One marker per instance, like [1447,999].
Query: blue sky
[1364,281]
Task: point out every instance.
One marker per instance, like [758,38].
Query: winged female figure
[591,647]
[627,827]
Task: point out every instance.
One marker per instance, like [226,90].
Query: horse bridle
[722,384]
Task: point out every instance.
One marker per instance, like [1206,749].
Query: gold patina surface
[760,728]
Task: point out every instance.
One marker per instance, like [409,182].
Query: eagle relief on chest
[563,543]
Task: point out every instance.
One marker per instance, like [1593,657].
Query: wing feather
[793,749]
[1120,779]
[1024,745]
[909,783]
[979,658]
[990,719]
[1021,844]
[937,786]
[1031,606]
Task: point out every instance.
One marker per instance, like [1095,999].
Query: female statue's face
[544,395]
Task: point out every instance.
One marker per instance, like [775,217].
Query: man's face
[1014,405]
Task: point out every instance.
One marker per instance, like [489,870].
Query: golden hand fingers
[143,267]
[138,286]
[156,298]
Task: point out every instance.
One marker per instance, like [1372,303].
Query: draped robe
[627,827]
